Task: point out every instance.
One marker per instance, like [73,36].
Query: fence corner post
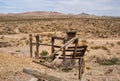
[31,49]
[37,47]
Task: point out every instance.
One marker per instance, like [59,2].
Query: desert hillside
[87,26]
[100,33]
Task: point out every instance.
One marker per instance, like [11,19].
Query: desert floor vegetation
[101,35]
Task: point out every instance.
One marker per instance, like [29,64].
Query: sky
[95,7]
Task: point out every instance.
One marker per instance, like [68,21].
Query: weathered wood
[59,38]
[80,62]
[57,46]
[40,75]
[37,47]
[31,49]
[34,79]
[52,48]
[46,64]
[75,50]
[64,50]
[70,41]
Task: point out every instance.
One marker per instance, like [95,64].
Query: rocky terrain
[88,26]
[101,34]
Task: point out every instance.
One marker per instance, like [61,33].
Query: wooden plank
[57,46]
[40,75]
[78,50]
[37,47]
[46,64]
[34,79]
[31,49]
[80,62]
[67,43]
[59,38]
[52,48]
[77,47]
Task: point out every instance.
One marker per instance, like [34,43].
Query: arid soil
[102,58]
[87,27]
[101,63]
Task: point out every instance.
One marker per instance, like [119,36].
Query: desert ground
[100,34]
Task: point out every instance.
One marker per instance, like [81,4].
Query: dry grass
[87,27]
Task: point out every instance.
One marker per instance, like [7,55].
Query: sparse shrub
[88,68]
[17,50]
[27,42]
[92,42]
[88,50]
[112,61]
[2,37]
[112,44]
[50,35]
[84,41]
[118,42]
[44,53]
[95,47]
[118,53]
[104,48]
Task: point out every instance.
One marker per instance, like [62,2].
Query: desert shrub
[88,68]
[84,41]
[88,50]
[111,61]
[118,53]
[118,42]
[112,44]
[44,53]
[101,47]
[2,37]
[27,42]
[50,35]
[95,47]
[104,48]
[92,42]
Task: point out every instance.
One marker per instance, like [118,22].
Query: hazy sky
[97,7]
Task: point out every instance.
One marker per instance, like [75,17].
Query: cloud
[98,7]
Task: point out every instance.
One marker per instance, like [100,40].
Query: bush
[118,42]
[44,53]
[112,61]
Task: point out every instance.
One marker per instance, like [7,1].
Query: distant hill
[39,13]
[53,14]
[36,13]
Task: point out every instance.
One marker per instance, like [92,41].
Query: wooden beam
[31,49]
[59,38]
[47,45]
[40,75]
[67,43]
[37,47]
[46,64]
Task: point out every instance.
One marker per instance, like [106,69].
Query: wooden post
[67,43]
[53,41]
[76,44]
[31,50]
[64,41]
[52,49]
[80,67]
[41,75]
[37,47]
[74,52]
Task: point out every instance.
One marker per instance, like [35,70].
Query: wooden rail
[78,51]
[41,76]
[37,44]
[67,43]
